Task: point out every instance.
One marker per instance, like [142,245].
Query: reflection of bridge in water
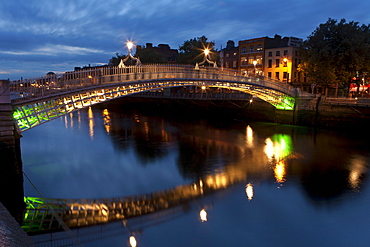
[43,99]
[45,215]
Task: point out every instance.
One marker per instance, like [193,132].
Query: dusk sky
[39,36]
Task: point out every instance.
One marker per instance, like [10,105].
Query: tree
[148,55]
[335,52]
[192,51]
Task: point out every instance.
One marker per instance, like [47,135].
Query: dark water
[276,185]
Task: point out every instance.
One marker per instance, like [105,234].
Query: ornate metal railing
[43,99]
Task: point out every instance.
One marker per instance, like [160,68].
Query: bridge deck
[43,99]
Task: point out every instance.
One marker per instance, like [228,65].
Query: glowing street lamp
[129,45]
[206,52]
[254,64]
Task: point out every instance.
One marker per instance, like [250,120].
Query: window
[250,60]
[270,53]
[277,53]
[285,75]
[285,62]
[234,54]
[285,52]
[227,54]
[234,64]
[244,50]
[269,74]
[277,63]
[277,76]
[259,59]
[259,48]
[251,49]
[269,64]
[243,61]
[226,64]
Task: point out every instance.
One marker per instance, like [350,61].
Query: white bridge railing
[29,89]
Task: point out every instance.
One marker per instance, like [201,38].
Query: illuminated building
[281,63]
[229,56]
[254,54]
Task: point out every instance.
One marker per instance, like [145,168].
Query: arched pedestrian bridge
[42,99]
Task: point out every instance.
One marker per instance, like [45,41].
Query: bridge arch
[43,99]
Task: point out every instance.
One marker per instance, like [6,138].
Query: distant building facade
[229,56]
[282,64]
[164,49]
[276,57]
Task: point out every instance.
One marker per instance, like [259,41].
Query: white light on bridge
[130,44]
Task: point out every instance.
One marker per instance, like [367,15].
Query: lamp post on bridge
[129,45]
[207,58]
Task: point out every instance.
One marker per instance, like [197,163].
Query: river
[275,185]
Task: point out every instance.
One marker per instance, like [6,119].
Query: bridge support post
[11,173]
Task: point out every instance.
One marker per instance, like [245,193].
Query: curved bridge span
[42,99]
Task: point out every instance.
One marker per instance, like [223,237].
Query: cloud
[62,32]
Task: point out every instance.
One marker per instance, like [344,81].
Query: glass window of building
[259,59]
[270,54]
[250,60]
[269,74]
[277,75]
[251,49]
[244,50]
[285,52]
[269,64]
[277,53]
[277,63]
[259,48]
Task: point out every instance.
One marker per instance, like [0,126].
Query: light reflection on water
[112,154]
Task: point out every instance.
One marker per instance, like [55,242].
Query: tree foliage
[192,51]
[148,55]
[335,52]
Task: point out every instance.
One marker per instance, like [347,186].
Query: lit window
[259,48]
